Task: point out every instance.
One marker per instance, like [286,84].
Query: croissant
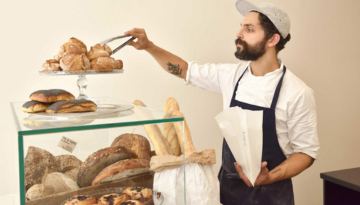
[106,63]
[73,46]
[75,62]
[99,51]
[51,65]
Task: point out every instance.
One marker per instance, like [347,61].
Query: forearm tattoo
[276,171]
[174,69]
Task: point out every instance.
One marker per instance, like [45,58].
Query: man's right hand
[142,42]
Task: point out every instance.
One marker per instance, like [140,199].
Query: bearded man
[260,81]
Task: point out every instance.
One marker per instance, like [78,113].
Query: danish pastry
[81,200]
[132,202]
[71,106]
[113,199]
[138,193]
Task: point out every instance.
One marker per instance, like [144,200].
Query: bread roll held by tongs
[115,38]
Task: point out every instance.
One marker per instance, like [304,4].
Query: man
[259,81]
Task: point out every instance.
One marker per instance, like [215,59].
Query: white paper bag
[242,130]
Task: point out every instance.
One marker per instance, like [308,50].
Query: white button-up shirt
[296,123]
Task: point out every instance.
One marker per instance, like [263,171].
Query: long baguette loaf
[157,139]
[189,146]
[169,128]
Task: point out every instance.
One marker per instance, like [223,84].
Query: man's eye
[250,30]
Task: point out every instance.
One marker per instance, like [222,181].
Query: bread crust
[51,95]
[189,146]
[137,143]
[100,159]
[121,169]
[73,46]
[75,62]
[102,63]
[34,106]
[113,199]
[38,191]
[81,200]
[38,162]
[51,65]
[98,50]
[67,162]
[72,106]
[169,128]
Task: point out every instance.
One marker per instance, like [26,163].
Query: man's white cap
[277,16]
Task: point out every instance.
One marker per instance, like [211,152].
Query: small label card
[67,144]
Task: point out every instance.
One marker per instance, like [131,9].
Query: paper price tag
[67,144]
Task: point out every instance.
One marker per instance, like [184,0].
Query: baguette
[189,146]
[157,139]
[169,128]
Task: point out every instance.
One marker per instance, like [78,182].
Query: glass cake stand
[82,82]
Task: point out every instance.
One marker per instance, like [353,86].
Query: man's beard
[248,52]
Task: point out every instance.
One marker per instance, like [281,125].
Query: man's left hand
[262,179]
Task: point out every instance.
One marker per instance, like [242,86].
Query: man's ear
[274,40]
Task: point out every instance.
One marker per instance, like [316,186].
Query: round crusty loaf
[73,46]
[67,162]
[98,50]
[71,106]
[97,161]
[122,169]
[38,191]
[75,62]
[136,143]
[38,162]
[60,182]
[73,173]
[81,200]
[113,198]
[51,95]
[34,106]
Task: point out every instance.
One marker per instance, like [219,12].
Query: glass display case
[46,137]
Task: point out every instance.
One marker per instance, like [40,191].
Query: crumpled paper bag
[200,182]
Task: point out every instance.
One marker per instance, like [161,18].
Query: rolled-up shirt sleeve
[204,76]
[302,124]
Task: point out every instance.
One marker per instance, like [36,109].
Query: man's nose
[239,34]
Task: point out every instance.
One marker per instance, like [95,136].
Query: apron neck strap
[277,91]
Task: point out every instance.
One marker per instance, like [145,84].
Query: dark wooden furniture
[342,187]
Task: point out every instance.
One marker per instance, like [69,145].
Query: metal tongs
[115,38]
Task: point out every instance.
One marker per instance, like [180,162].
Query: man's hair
[270,30]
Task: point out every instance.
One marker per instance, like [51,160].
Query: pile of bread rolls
[74,56]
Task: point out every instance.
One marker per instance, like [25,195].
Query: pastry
[138,193]
[60,182]
[169,130]
[38,162]
[38,191]
[51,65]
[73,46]
[101,63]
[137,143]
[71,106]
[132,202]
[52,95]
[34,106]
[122,169]
[75,62]
[81,200]
[97,161]
[113,199]
[99,51]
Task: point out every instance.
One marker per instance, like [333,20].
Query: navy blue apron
[233,190]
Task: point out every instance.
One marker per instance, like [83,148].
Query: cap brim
[244,7]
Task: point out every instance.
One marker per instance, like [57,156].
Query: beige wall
[324,52]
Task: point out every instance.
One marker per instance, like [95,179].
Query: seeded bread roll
[132,202]
[113,199]
[101,63]
[97,161]
[34,106]
[122,169]
[75,62]
[51,95]
[38,163]
[71,106]
[99,51]
[51,65]
[81,200]
[136,143]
